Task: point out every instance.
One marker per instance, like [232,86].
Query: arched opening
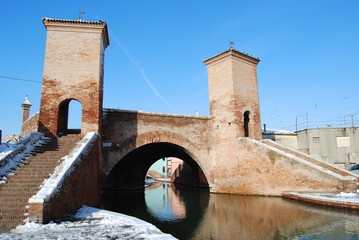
[70,117]
[170,207]
[131,171]
[246,123]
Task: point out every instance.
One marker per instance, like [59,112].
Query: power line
[20,79]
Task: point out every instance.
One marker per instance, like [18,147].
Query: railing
[304,122]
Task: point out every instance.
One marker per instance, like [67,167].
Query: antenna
[81,12]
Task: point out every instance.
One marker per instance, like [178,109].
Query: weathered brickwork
[225,146]
[223,150]
[125,131]
[233,91]
[30,125]
[73,70]
[81,187]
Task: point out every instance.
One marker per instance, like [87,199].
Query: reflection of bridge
[223,151]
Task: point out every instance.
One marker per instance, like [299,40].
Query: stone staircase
[26,180]
[308,158]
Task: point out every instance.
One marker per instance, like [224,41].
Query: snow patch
[352,198]
[90,223]
[13,155]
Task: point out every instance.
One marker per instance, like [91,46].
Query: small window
[316,140]
[246,122]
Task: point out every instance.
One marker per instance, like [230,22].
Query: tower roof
[26,102]
[234,52]
[79,23]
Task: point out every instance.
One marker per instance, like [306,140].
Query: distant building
[286,138]
[160,167]
[166,166]
[339,146]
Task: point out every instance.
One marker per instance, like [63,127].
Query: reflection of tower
[26,105]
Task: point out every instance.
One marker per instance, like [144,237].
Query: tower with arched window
[233,95]
[73,74]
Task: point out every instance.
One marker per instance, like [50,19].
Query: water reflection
[190,214]
[164,203]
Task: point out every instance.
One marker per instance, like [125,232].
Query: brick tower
[26,105]
[233,95]
[73,70]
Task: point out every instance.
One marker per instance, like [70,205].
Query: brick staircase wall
[306,157]
[267,170]
[78,184]
[26,180]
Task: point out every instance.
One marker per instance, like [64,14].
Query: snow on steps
[54,182]
[15,154]
[26,167]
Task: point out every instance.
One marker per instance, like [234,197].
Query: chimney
[25,109]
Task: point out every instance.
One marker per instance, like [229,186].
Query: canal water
[197,214]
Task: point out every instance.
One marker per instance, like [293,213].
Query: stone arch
[63,117]
[153,146]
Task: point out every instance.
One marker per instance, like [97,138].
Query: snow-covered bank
[90,223]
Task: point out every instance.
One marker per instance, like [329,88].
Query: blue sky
[308,50]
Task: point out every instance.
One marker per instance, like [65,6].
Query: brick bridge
[133,141]
[223,151]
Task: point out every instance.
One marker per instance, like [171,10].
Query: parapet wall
[259,169]
[77,184]
[30,125]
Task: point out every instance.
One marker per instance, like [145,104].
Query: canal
[189,213]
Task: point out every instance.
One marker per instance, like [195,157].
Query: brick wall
[30,125]
[80,187]
[73,70]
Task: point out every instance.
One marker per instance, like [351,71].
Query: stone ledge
[316,198]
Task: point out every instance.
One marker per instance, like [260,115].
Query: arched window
[75,116]
[246,123]
[70,117]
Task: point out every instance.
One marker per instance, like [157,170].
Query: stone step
[27,179]
[16,199]
[15,196]
[33,169]
[30,177]
[31,186]
[23,179]
[19,188]
[43,166]
[15,219]
[50,155]
[34,175]
[15,210]
[43,161]
[11,204]
[12,221]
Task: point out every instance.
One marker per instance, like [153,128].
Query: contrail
[141,70]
